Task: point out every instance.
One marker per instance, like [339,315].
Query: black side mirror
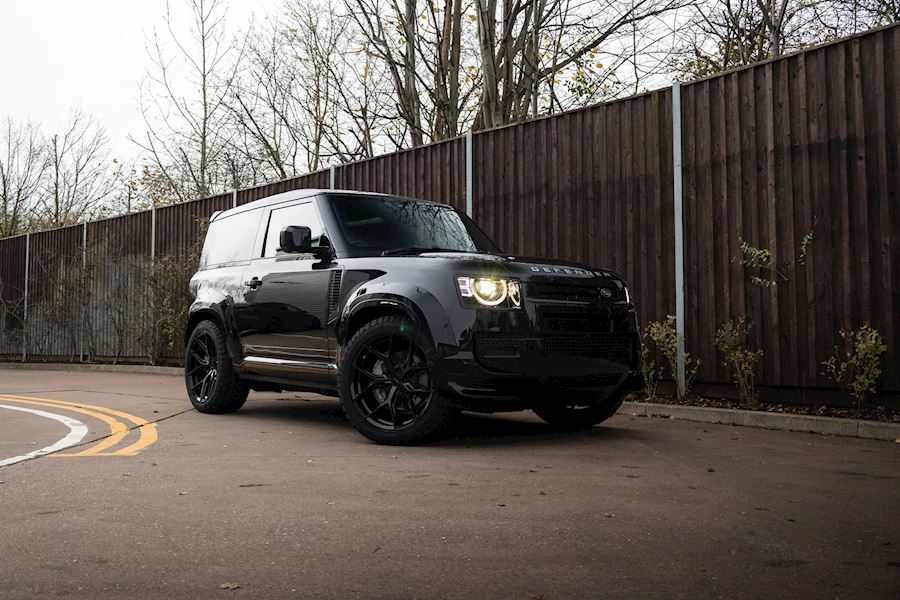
[296,239]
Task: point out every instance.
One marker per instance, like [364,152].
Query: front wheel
[209,375]
[572,416]
[387,385]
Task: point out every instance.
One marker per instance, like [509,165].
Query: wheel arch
[366,309]
[195,317]
[215,312]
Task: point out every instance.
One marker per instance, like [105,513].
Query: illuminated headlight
[627,296]
[490,291]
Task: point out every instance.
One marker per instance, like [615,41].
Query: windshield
[376,225]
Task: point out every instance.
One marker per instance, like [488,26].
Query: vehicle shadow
[468,430]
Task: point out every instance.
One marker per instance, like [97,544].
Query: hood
[531,269]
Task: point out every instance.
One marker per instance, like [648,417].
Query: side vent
[334,294]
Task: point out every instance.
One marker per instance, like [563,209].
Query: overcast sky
[60,54]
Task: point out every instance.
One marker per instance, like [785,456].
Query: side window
[298,214]
[230,239]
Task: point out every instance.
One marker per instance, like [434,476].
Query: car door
[284,327]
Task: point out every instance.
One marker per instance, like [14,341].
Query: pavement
[284,500]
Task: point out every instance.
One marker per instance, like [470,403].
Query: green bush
[665,336]
[731,340]
[649,369]
[859,369]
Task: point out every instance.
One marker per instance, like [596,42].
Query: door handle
[254,283]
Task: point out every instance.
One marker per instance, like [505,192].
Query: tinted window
[375,224]
[230,239]
[299,214]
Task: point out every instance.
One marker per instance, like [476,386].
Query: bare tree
[527,45]
[422,47]
[22,167]
[183,101]
[78,181]
[724,34]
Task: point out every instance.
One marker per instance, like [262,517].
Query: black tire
[570,417]
[387,386]
[212,384]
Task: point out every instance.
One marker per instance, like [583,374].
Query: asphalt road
[284,499]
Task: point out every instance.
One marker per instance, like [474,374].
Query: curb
[872,430]
[82,368]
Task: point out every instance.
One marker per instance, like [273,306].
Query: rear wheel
[209,375]
[387,387]
[576,413]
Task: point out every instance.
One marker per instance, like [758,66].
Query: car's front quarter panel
[564,335]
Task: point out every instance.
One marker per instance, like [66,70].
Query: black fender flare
[422,307]
[219,308]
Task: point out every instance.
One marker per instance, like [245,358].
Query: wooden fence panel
[54,326]
[12,296]
[435,172]
[804,145]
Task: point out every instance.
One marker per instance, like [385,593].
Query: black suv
[407,311]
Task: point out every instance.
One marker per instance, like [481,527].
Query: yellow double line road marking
[118,429]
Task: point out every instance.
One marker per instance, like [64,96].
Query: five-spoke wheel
[391,384]
[201,367]
[387,387]
[209,375]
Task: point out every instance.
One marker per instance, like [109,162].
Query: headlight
[627,295]
[490,291]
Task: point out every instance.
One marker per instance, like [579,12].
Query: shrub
[731,340]
[859,369]
[649,369]
[665,336]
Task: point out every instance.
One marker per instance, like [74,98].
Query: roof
[306,193]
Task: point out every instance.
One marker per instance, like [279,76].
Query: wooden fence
[805,145]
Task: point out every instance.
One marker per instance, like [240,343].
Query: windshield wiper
[416,250]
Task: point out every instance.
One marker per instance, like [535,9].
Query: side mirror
[296,239]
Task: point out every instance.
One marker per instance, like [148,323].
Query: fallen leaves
[182,493]
[229,585]
[311,462]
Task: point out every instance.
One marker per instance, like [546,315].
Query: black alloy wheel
[212,384]
[387,386]
[391,384]
[201,367]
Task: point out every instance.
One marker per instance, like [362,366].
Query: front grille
[494,348]
[604,346]
[575,319]
[572,293]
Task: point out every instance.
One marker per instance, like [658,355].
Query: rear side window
[299,214]
[230,239]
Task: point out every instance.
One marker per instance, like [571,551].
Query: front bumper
[508,362]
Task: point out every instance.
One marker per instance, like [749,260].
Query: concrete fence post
[234,198]
[678,194]
[153,235]
[332,176]
[84,280]
[25,298]
[469,200]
